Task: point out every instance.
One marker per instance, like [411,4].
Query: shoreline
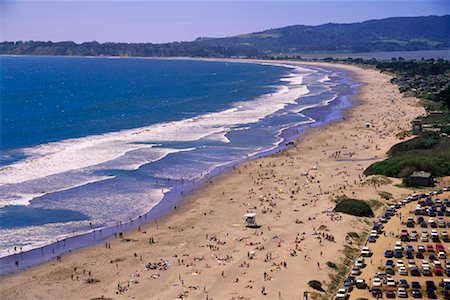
[209,198]
[41,255]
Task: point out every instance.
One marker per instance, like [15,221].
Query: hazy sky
[164,21]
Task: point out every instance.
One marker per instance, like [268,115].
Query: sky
[168,21]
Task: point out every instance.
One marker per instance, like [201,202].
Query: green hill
[392,34]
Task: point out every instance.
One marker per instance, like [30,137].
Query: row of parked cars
[433,209]
[430,214]
[402,288]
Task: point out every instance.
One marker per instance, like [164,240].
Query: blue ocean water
[93,142]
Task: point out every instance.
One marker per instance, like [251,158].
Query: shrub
[354,207]
[385,195]
[331,265]
[429,153]
[353,235]
[317,285]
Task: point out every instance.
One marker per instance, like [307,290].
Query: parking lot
[406,252]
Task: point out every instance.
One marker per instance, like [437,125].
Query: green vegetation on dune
[355,207]
[385,195]
[429,153]
[317,285]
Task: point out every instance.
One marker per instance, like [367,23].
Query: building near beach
[421,178]
[416,126]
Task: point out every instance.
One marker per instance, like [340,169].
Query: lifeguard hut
[250,220]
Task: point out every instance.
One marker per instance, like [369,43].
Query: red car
[440,247]
[438,272]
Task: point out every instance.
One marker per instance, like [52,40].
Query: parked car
[391,282]
[355,271]
[402,271]
[341,294]
[402,293]
[360,263]
[377,293]
[426,271]
[416,293]
[390,293]
[365,252]
[398,254]
[360,284]
[403,283]
[411,263]
[431,294]
[376,282]
[429,284]
[388,254]
[414,271]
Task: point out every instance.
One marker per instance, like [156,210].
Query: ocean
[88,144]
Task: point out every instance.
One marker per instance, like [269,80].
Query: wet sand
[203,250]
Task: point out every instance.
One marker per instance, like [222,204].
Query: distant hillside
[392,34]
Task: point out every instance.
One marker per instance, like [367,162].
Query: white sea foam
[23,193]
[324,78]
[72,154]
[35,236]
[32,237]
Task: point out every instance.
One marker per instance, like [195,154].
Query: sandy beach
[204,251]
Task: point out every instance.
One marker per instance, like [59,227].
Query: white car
[360,283]
[341,294]
[400,263]
[437,264]
[447,263]
[401,293]
[402,271]
[360,262]
[442,255]
[411,263]
[398,246]
[424,263]
[355,271]
[376,282]
[365,252]
[391,281]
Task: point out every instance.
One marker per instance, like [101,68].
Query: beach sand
[203,250]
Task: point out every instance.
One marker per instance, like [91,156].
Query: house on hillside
[416,126]
[421,178]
